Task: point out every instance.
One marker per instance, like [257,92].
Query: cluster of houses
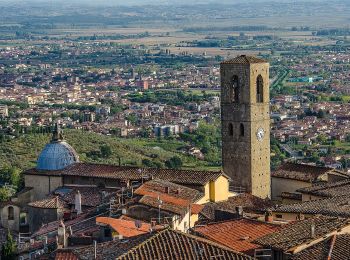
[75,210]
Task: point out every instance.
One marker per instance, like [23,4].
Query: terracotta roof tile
[169,189]
[80,224]
[336,207]
[244,59]
[299,232]
[237,234]
[174,245]
[250,204]
[66,256]
[341,249]
[106,251]
[50,203]
[90,196]
[302,172]
[328,189]
[174,206]
[193,177]
[126,228]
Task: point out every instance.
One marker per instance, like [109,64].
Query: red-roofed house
[237,234]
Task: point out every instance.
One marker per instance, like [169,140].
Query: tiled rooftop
[301,172]
[90,196]
[50,203]
[340,251]
[250,204]
[105,251]
[244,59]
[174,245]
[328,189]
[169,189]
[237,234]
[299,232]
[124,227]
[336,207]
[193,177]
[80,224]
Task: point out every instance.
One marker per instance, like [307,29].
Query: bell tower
[245,119]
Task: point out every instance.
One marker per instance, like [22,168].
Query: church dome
[57,154]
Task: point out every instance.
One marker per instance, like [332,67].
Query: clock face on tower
[260,134]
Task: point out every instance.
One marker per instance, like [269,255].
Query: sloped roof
[50,203]
[173,245]
[237,234]
[158,187]
[337,207]
[328,189]
[194,177]
[80,224]
[299,232]
[110,250]
[340,251]
[175,198]
[90,196]
[249,202]
[125,227]
[244,59]
[301,172]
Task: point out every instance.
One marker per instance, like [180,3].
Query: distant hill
[23,152]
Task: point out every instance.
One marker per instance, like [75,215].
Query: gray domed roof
[57,154]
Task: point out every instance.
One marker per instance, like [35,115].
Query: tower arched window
[10,213]
[230,129]
[241,130]
[259,89]
[234,89]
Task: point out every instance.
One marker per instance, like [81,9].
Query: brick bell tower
[245,118]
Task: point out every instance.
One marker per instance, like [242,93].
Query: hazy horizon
[161,2]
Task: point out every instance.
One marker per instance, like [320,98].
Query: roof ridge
[204,240]
[247,219]
[142,243]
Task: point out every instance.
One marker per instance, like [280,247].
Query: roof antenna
[95,249]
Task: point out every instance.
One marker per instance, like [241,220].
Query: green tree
[11,175]
[106,151]
[174,163]
[5,194]
[8,250]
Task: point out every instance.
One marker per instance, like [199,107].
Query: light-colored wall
[279,185]
[11,224]
[308,197]
[206,197]
[286,216]
[219,189]
[42,185]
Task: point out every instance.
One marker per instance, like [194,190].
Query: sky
[164,2]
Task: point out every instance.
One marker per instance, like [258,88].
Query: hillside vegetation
[22,152]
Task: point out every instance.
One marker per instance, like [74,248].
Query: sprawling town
[152,132]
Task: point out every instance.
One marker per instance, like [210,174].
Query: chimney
[312,229]
[77,204]
[268,216]
[239,211]
[62,238]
